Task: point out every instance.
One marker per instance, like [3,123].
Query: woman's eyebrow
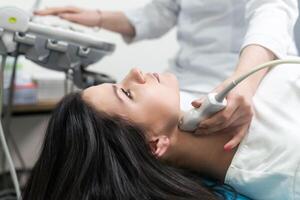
[115,89]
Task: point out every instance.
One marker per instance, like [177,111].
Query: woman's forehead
[102,96]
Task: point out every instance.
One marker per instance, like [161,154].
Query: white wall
[147,55]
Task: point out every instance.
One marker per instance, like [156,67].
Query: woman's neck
[202,153]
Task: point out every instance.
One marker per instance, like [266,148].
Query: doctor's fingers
[220,117]
[58,10]
[87,18]
[238,118]
[237,138]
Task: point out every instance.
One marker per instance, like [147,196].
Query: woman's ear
[159,145]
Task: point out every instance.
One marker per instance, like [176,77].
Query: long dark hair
[89,155]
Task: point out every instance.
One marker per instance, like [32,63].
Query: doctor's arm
[269,36]
[150,21]
[115,21]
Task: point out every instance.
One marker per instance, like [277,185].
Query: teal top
[229,194]
[224,191]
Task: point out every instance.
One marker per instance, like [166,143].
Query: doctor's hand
[236,116]
[74,14]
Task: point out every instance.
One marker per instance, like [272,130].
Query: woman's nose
[137,75]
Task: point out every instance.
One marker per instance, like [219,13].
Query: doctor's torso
[210,34]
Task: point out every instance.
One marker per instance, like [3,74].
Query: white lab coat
[211,34]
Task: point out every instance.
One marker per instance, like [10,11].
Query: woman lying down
[121,142]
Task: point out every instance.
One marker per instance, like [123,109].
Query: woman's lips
[156,76]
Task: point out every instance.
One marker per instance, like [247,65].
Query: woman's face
[151,100]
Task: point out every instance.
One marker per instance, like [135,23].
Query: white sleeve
[271,24]
[153,20]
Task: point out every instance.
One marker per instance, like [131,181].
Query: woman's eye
[127,93]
